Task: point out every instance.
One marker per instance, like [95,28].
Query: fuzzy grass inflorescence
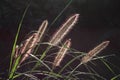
[64,29]
[26,49]
[94,52]
[61,53]
[23,50]
[28,46]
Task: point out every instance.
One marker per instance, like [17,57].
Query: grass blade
[70,1]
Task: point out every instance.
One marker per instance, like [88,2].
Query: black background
[99,21]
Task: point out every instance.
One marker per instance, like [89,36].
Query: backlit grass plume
[41,30]
[61,32]
[90,55]
[94,52]
[23,50]
[60,55]
[64,29]
[29,44]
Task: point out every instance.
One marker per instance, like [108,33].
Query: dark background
[99,21]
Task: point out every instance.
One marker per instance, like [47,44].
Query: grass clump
[27,64]
[48,68]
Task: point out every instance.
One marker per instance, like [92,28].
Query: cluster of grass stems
[25,55]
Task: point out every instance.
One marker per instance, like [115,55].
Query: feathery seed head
[61,53]
[94,51]
[64,29]
[29,44]
[41,30]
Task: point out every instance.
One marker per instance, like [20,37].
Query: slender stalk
[70,1]
[74,70]
[41,58]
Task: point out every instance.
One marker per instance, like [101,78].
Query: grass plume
[90,55]
[94,51]
[64,29]
[29,44]
[61,53]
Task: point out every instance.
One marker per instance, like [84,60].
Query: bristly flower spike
[90,55]
[94,52]
[29,44]
[41,30]
[36,37]
[61,53]
[64,29]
